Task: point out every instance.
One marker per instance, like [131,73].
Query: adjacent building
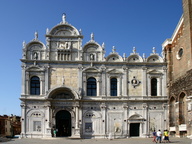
[10,125]
[79,92]
[178,54]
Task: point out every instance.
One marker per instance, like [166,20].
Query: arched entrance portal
[63,123]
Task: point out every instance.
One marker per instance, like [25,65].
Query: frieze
[64,103]
[35,103]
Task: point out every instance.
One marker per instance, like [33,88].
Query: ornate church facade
[75,90]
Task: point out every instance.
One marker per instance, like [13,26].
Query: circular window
[179,53]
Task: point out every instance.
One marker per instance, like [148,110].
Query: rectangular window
[37,126]
[88,127]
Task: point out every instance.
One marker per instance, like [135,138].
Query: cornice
[96,63]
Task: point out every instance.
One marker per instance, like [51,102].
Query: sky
[125,24]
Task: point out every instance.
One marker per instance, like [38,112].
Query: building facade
[10,125]
[178,54]
[77,91]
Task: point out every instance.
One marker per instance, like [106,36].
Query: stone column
[41,87]
[144,83]
[119,86]
[99,86]
[103,89]
[77,130]
[124,82]
[160,87]
[146,120]
[76,117]
[79,47]
[46,83]
[27,84]
[165,120]
[104,121]
[23,92]
[23,120]
[108,85]
[84,88]
[128,123]
[47,57]
[125,124]
[80,80]
[48,119]
[149,85]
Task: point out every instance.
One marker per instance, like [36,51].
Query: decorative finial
[134,50]
[92,36]
[124,55]
[103,45]
[144,56]
[113,49]
[154,50]
[80,31]
[64,18]
[47,30]
[36,35]
[24,44]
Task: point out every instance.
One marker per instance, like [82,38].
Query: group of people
[157,136]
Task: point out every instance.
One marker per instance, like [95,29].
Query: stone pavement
[93,141]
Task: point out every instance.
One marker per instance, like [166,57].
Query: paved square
[94,141]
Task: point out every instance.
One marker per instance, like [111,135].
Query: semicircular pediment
[62,93]
[35,46]
[64,30]
[92,46]
[134,58]
[154,58]
[35,68]
[136,117]
[114,58]
[91,70]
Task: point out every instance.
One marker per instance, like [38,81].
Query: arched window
[153,87]
[182,108]
[113,87]
[35,86]
[91,87]
[172,115]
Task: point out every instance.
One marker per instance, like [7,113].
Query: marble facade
[79,92]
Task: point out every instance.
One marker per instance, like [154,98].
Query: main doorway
[134,129]
[63,123]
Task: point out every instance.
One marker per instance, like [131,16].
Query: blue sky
[121,23]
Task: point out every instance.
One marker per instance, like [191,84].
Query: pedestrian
[166,139]
[54,132]
[159,134]
[154,136]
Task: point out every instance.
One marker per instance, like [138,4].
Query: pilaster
[144,83]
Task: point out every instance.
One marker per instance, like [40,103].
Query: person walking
[166,139]
[159,134]
[154,136]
